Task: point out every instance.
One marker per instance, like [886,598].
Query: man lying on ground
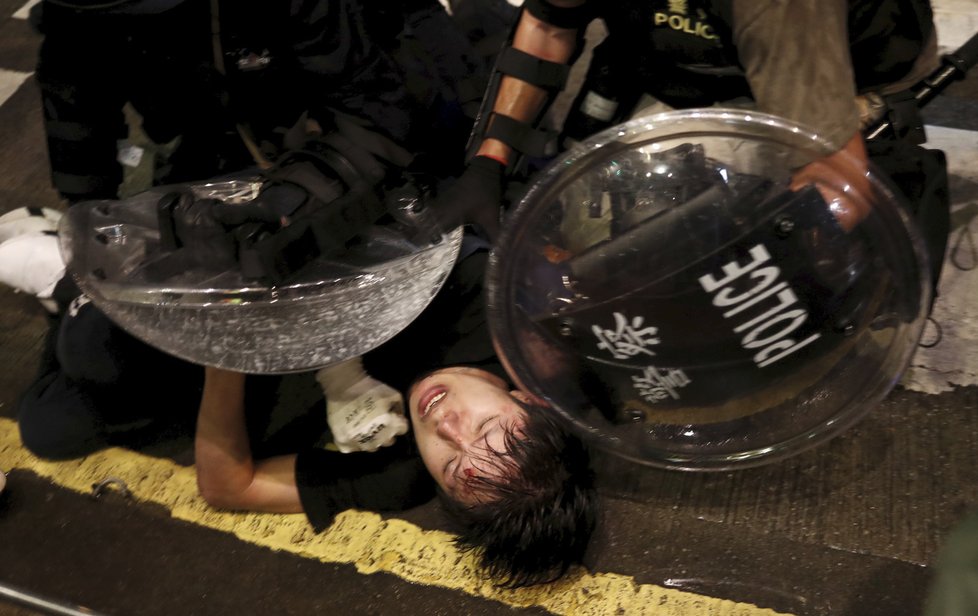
[516,482]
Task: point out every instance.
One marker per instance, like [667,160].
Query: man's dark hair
[535,514]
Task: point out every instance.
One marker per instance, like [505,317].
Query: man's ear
[528,398]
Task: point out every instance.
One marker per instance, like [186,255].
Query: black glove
[476,198]
[275,203]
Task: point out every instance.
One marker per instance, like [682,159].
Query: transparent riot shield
[668,293]
[204,311]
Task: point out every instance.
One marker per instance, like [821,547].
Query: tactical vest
[683,49]
[685,54]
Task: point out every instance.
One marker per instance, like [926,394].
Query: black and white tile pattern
[10,79]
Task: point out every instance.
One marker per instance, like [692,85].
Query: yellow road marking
[362,539]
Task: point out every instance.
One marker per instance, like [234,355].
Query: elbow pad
[568,18]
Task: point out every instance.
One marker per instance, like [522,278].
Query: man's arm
[477,197]
[227,476]
[519,99]
[805,74]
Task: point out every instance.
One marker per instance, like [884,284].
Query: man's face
[460,416]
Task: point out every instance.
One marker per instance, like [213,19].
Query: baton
[954,66]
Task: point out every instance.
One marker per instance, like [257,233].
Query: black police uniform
[701,52]
[199,69]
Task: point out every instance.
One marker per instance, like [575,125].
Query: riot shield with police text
[680,299]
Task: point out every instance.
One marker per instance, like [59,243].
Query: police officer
[804,60]
[231,80]
[233,84]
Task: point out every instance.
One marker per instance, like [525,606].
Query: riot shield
[668,294]
[200,307]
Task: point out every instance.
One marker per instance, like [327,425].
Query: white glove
[363,413]
[31,263]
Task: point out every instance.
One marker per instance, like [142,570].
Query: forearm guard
[526,138]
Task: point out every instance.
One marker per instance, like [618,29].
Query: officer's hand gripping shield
[664,290]
[332,308]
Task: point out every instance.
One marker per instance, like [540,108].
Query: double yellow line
[362,539]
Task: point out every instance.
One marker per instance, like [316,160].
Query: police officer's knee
[50,443]
[56,425]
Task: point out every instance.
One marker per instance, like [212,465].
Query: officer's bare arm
[518,99]
[227,476]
